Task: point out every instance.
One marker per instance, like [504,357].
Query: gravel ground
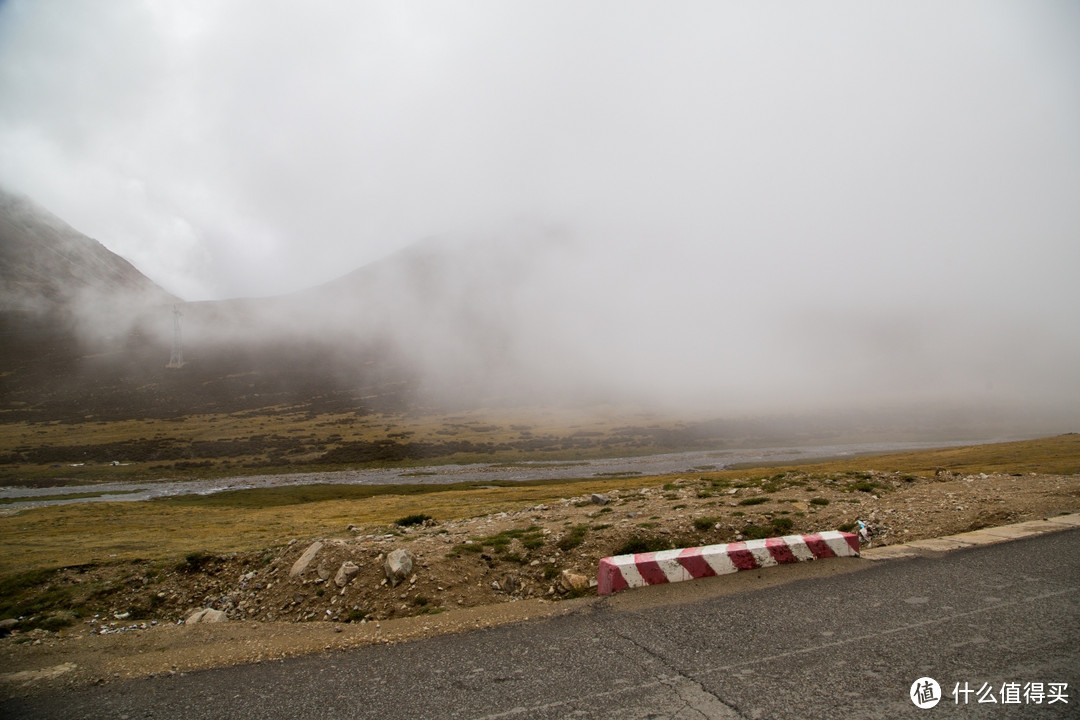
[470,572]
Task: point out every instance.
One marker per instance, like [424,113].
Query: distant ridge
[83,333]
[51,274]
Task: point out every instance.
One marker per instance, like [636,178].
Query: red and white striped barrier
[629,571]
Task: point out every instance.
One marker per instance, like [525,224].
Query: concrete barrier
[629,571]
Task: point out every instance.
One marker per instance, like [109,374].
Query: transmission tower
[176,359]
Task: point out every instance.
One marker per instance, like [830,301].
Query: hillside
[86,335]
[53,277]
[377,365]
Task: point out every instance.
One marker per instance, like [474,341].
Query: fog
[752,208]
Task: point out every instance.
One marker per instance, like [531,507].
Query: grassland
[250,520]
[292,439]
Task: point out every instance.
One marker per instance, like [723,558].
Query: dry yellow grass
[129,442]
[108,532]
[494,425]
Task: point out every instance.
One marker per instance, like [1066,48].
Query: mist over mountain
[54,277]
[475,320]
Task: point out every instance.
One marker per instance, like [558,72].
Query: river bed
[662,464]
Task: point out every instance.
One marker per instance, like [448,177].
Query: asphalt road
[834,645]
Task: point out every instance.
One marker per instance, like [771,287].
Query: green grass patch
[573,538]
[704,523]
[782,526]
[777,526]
[642,544]
[530,538]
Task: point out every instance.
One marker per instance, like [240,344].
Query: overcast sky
[887,167]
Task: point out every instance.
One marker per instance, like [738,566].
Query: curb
[622,572]
[985,536]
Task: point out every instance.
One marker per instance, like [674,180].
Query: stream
[683,462]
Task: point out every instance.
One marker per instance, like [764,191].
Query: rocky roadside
[424,576]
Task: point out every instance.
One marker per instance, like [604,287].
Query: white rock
[398,566]
[346,573]
[302,564]
[573,581]
[206,615]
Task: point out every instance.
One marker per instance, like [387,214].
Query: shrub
[57,621]
[638,544]
[782,525]
[754,501]
[194,562]
[418,519]
[755,532]
[467,548]
[532,542]
[704,523]
[573,538]
[819,501]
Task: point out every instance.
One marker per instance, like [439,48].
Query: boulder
[302,564]
[398,566]
[346,573]
[206,615]
[599,499]
[570,581]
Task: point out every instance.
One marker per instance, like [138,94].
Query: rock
[302,564]
[599,499]
[206,615]
[323,572]
[570,581]
[7,625]
[510,583]
[398,566]
[346,573]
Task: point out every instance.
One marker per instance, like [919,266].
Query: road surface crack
[689,690]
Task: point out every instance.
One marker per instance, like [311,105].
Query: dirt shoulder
[467,573]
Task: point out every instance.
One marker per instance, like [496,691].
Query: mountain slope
[50,273]
[84,334]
